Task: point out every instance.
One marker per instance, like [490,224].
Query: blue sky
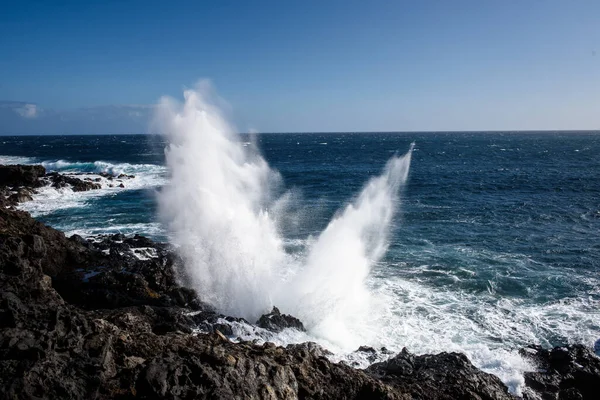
[311,65]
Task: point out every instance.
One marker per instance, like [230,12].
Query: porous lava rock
[439,376]
[275,321]
[77,185]
[21,175]
[571,372]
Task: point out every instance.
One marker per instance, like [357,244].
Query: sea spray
[330,294]
[225,206]
[217,205]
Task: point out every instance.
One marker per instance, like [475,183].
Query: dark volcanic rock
[51,348]
[76,322]
[276,321]
[440,376]
[107,319]
[21,175]
[21,196]
[571,372]
[76,184]
[26,242]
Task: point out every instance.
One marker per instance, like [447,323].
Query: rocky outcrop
[77,185]
[275,321]
[65,341]
[21,175]
[19,182]
[571,372]
[25,242]
[440,376]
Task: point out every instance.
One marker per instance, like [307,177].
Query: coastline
[110,318]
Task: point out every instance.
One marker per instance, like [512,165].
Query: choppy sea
[496,244]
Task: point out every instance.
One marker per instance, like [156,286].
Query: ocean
[493,242]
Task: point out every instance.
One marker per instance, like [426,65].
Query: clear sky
[315,65]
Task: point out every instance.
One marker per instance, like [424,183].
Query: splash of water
[225,205]
[330,294]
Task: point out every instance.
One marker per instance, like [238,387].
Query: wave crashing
[226,209]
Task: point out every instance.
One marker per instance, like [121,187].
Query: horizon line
[509,131]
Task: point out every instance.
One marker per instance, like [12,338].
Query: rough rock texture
[21,175]
[571,372]
[26,242]
[19,182]
[51,347]
[76,184]
[440,376]
[276,321]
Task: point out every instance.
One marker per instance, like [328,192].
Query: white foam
[223,208]
[104,167]
[226,211]
[10,160]
[487,328]
[144,253]
[149,229]
[48,199]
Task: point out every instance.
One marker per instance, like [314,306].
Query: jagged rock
[370,354]
[571,372]
[276,321]
[77,185]
[21,175]
[440,376]
[311,348]
[51,348]
[17,230]
[21,196]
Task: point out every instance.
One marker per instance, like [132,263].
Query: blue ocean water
[496,245]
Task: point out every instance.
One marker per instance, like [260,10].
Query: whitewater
[225,207]
[479,244]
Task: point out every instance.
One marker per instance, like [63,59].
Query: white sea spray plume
[330,294]
[217,207]
[224,207]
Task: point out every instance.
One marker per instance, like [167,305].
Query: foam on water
[48,199]
[488,328]
[8,160]
[227,209]
[152,229]
[230,214]
[103,166]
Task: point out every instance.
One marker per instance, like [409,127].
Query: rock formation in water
[107,317]
[571,372]
[275,321]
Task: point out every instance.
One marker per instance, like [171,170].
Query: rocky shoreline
[110,317]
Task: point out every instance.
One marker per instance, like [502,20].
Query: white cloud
[27,111]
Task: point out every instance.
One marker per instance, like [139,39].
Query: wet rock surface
[17,183]
[108,317]
[571,372]
[275,321]
[77,185]
[441,376]
[21,175]
[96,325]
